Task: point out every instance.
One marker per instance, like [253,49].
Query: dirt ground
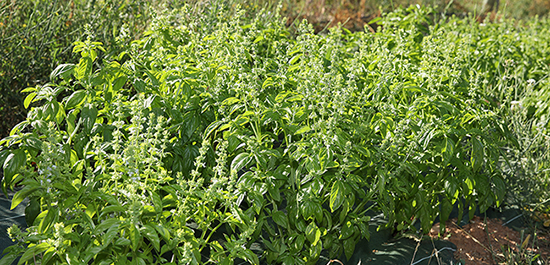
[490,242]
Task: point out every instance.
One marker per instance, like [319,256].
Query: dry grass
[354,14]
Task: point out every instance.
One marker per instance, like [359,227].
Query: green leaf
[150,233]
[140,85]
[282,96]
[345,210]
[165,248]
[267,82]
[258,39]
[313,234]
[364,228]
[51,216]
[104,225]
[499,189]
[427,138]
[336,195]
[446,208]
[471,209]
[111,233]
[240,161]
[135,237]
[122,242]
[112,209]
[119,83]
[189,154]
[289,259]
[29,89]
[294,59]
[88,116]
[230,101]
[32,211]
[75,99]
[362,150]
[90,252]
[300,224]
[22,194]
[211,128]
[84,68]
[12,165]
[376,20]
[302,130]
[163,232]
[106,197]
[192,121]
[315,251]
[425,218]
[451,188]
[33,251]
[280,219]
[63,71]
[274,192]
[347,230]
[308,210]
[69,202]
[33,142]
[8,258]
[477,154]
[300,240]
[157,202]
[258,201]
[469,185]
[169,201]
[251,257]
[140,261]
[349,247]
[51,110]
[28,100]
[449,150]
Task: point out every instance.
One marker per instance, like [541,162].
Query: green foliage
[210,134]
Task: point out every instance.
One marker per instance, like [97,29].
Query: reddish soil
[490,242]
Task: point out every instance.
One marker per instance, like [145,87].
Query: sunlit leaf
[336,195]
[240,161]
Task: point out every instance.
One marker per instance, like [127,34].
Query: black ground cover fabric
[8,218]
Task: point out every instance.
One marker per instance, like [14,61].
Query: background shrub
[36,36]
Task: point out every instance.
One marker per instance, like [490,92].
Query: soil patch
[488,241]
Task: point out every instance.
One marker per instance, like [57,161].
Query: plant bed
[208,138]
